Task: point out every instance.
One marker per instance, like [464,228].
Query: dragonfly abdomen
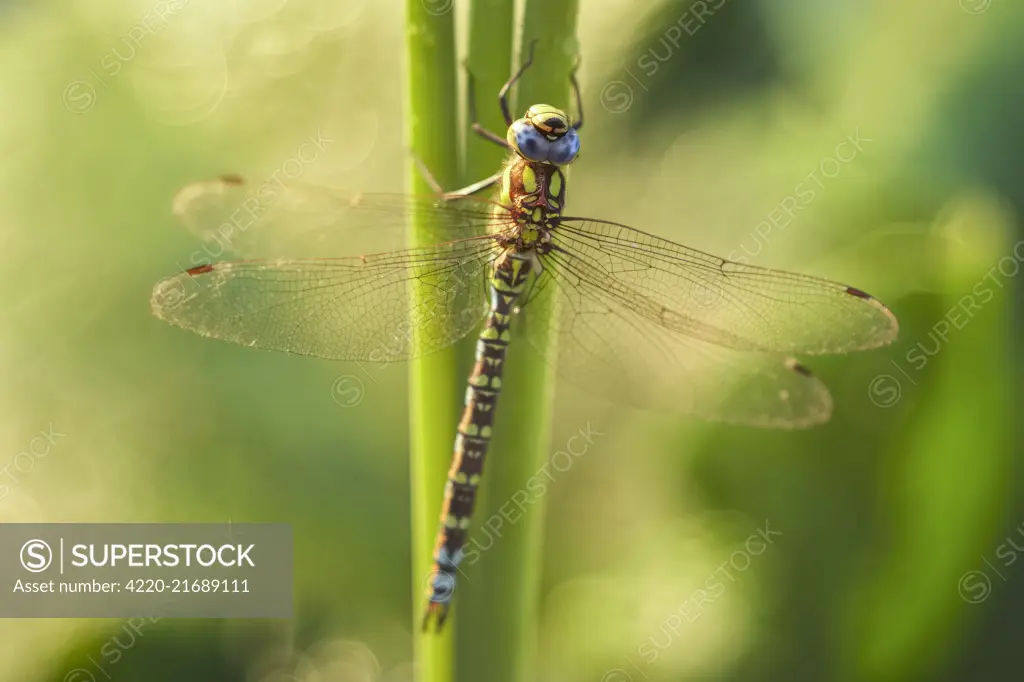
[474,431]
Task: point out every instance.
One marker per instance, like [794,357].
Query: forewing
[299,220]
[361,308]
[614,349]
[721,302]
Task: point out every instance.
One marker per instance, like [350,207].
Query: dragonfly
[631,316]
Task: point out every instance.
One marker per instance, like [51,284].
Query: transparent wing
[718,301]
[296,220]
[608,345]
[360,308]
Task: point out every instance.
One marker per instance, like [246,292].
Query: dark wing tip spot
[232,179]
[798,368]
[853,291]
[199,270]
[894,325]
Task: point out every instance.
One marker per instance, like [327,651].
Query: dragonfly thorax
[534,195]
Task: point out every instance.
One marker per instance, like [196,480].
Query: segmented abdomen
[474,432]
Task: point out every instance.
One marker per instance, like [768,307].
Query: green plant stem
[434,386]
[500,600]
[490,61]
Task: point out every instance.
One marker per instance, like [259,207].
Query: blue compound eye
[529,141]
[565,149]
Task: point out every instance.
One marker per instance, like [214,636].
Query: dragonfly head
[545,135]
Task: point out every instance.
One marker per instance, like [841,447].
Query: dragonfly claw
[438,609]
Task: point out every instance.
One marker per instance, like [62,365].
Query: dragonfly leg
[466,191]
[503,93]
[576,92]
[477,127]
[474,188]
[427,175]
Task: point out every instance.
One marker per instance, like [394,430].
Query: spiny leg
[483,132]
[576,92]
[426,174]
[478,186]
[477,127]
[503,93]
[466,191]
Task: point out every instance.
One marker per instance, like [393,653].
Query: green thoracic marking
[529,180]
[555,186]
[506,183]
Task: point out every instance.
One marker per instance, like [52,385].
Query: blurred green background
[895,530]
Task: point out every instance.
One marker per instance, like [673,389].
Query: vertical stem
[490,61]
[499,628]
[432,116]
[553,24]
